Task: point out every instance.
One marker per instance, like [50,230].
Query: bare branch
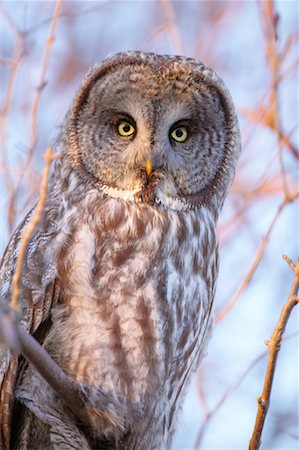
[274,346]
[20,341]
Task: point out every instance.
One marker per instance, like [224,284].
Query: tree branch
[274,346]
[18,340]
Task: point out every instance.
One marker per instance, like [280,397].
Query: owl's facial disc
[156,131]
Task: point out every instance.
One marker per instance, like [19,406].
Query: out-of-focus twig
[263,115]
[72,13]
[31,227]
[42,78]
[209,414]
[260,252]
[14,64]
[274,346]
[270,20]
[13,184]
[171,26]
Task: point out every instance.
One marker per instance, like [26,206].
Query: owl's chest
[114,255]
[130,281]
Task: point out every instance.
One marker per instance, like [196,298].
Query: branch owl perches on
[119,276]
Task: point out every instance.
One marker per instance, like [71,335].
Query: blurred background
[47,47]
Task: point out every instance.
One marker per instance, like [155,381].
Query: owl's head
[153,128]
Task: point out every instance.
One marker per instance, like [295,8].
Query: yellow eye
[125,128]
[179,134]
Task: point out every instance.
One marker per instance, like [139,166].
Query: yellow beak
[148,167]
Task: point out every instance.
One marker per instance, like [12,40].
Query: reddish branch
[274,346]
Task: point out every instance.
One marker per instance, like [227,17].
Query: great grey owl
[119,276]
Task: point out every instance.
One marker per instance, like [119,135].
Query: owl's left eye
[179,134]
[125,128]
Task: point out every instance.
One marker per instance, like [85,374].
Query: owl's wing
[39,291]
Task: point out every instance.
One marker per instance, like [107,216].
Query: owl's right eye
[125,128]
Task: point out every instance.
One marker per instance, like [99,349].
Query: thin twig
[11,186]
[270,20]
[274,346]
[209,414]
[30,228]
[73,13]
[171,26]
[260,252]
[4,114]
[42,78]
